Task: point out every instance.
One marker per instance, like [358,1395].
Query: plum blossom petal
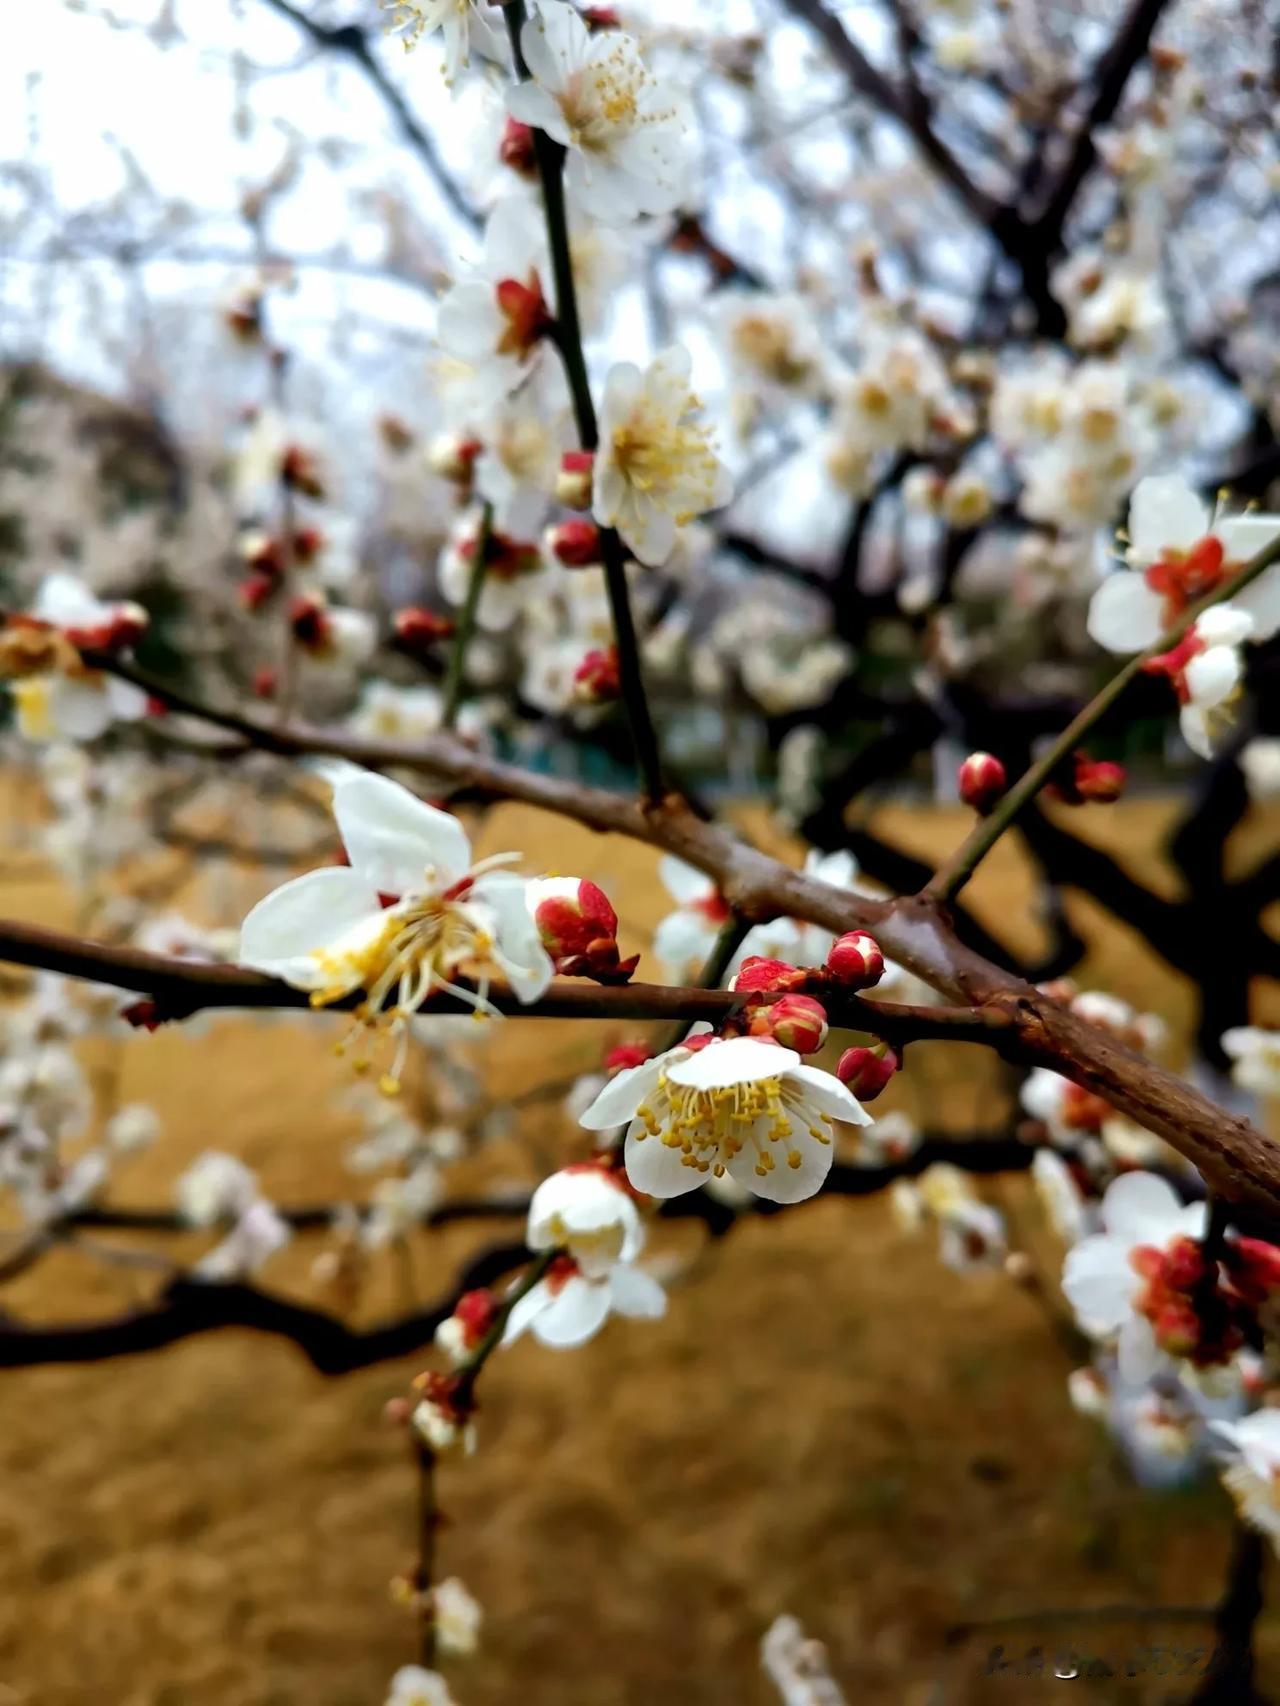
[396,841]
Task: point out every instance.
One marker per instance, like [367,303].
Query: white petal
[1262,601]
[739,1060]
[525,1310]
[1138,1355]
[575,1314]
[657,1169]
[1140,1208]
[1213,676]
[685,883]
[1164,514]
[1098,1282]
[288,927]
[621,1096]
[518,947]
[824,1092]
[1125,615]
[80,710]
[1243,536]
[636,1293]
[532,105]
[782,1183]
[65,600]
[397,842]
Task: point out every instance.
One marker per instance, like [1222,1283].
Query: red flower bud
[475,1310]
[579,930]
[597,679]
[625,1055]
[453,457]
[254,591]
[300,471]
[756,972]
[794,1021]
[575,543]
[982,781]
[855,959]
[1183,1264]
[573,482]
[1100,780]
[143,1015]
[310,621]
[1254,1267]
[264,682]
[866,1071]
[418,630]
[516,148]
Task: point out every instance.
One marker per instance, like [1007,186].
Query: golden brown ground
[826,1423]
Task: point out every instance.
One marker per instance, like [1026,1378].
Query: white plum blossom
[656,469]
[1061,1196]
[739,1106]
[496,318]
[515,572]
[413,1685]
[256,1236]
[456,1617]
[1255,1056]
[461,23]
[684,938]
[215,1187]
[1207,670]
[74,703]
[1178,552]
[588,1215]
[1252,1477]
[625,134]
[403,919]
[1101,1282]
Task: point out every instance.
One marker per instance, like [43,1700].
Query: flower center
[711,1127]
[1182,577]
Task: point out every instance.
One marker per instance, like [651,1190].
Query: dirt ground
[826,1423]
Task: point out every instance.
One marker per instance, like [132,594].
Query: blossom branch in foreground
[180,987]
[951,877]
[915,930]
[567,335]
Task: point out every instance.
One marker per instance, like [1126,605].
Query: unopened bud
[254,591]
[757,972]
[453,457]
[1100,780]
[300,471]
[575,543]
[573,482]
[517,150]
[866,1071]
[264,682]
[982,780]
[856,960]
[418,631]
[578,928]
[597,679]
[795,1021]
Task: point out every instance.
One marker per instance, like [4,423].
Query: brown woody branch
[1237,1160]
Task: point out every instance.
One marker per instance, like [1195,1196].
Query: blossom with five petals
[739,1106]
[403,919]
